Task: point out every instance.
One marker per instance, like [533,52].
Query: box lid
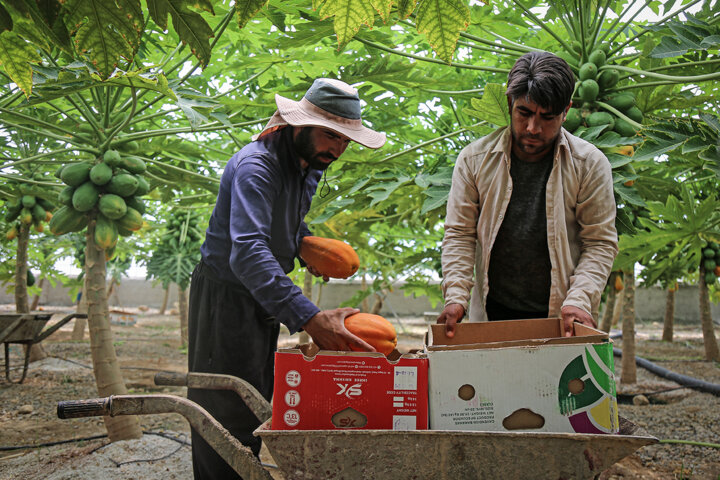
[510,333]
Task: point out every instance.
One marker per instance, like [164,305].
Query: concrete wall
[649,304]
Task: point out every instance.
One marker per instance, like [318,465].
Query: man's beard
[306,150]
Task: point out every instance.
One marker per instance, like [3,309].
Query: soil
[34,443]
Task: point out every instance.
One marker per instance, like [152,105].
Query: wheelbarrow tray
[22,327]
[440,454]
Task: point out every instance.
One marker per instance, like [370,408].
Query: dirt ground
[34,443]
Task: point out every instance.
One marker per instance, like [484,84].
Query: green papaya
[136,203]
[130,146]
[25,216]
[131,221]
[635,114]
[621,101]
[133,165]
[589,90]
[608,78]
[101,173]
[13,210]
[123,184]
[30,278]
[46,204]
[600,118]
[106,233]
[597,57]
[588,71]
[66,220]
[624,128]
[65,196]
[143,186]
[112,206]
[28,201]
[75,174]
[573,119]
[38,213]
[86,196]
[59,171]
[112,158]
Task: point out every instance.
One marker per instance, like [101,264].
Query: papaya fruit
[624,128]
[608,78]
[38,213]
[58,172]
[112,158]
[28,201]
[46,204]
[329,257]
[66,220]
[133,165]
[143,187]
[589,90]
[573,119]
[101,173]
[588,71]
[65,196]
[112,206]
[132,220]
[13,210]
[75,174]
[86,196]
[106,233]
[618,283]
[634,113]
[597,57]
[30,278]
[136,203]
[25,216]
[123,184]
[600,118]
[374,329]
[621,101]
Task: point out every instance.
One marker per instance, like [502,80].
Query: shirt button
[500,216]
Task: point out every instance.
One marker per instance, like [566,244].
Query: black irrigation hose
[684,380]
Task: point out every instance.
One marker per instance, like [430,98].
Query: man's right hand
[451,315]
[327,329]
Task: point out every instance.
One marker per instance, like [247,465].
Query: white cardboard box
[521,375]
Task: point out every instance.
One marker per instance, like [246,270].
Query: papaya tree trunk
[111,289]
[37,352]
[606,320]
[711,346]
[183,308]
[105,366]
[617,309]
[82,307]
[166,296]
[365,305]
[303,336]
[629,370]
[667,335]
[36,298]
[377,306]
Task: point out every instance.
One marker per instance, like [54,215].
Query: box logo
[348,390]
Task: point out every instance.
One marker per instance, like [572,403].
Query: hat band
[349,123]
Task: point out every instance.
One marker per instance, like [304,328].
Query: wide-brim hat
[330,104]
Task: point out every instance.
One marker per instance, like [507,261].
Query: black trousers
[229,333]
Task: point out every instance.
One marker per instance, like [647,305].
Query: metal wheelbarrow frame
[27,329]
[362,454]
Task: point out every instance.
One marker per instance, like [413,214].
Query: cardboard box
[349,390]
[521,375]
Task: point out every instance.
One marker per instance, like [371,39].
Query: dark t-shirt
[519,270]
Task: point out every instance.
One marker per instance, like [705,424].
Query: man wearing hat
[240,291]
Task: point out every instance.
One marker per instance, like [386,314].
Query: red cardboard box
[349,390]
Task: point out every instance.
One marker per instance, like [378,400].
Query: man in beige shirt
[531,212]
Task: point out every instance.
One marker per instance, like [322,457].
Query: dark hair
[543,78]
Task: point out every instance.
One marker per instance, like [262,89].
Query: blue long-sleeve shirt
[258,222]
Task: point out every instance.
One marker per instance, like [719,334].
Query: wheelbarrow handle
[174,379]
[94,407]
[60,323]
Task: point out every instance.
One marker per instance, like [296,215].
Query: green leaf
[383,7]
[190,26]
[6,22]
[437,197]
[406,7]
[441,21]
[15,56]
[493,105]
[105,31]
[247,9]
[349,15]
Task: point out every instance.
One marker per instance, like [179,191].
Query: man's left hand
[572,314]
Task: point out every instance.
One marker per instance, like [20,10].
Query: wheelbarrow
[363,454]
[27,329]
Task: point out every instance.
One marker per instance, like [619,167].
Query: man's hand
[317,274]
[572,314]
[451,315]
[327,329]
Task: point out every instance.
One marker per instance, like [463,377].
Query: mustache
[326,155]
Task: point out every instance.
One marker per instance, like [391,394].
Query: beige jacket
[580,209]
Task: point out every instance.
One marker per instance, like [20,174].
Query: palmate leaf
[15,56]
[697,35]
[406,7]
[349,16]
[441,21]
[247,9]
[492,106]
[41,22]
[383,7]
[190,26]
[105,31]
[6,22]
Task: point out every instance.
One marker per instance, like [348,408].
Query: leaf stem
[617,112]
[660,76]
